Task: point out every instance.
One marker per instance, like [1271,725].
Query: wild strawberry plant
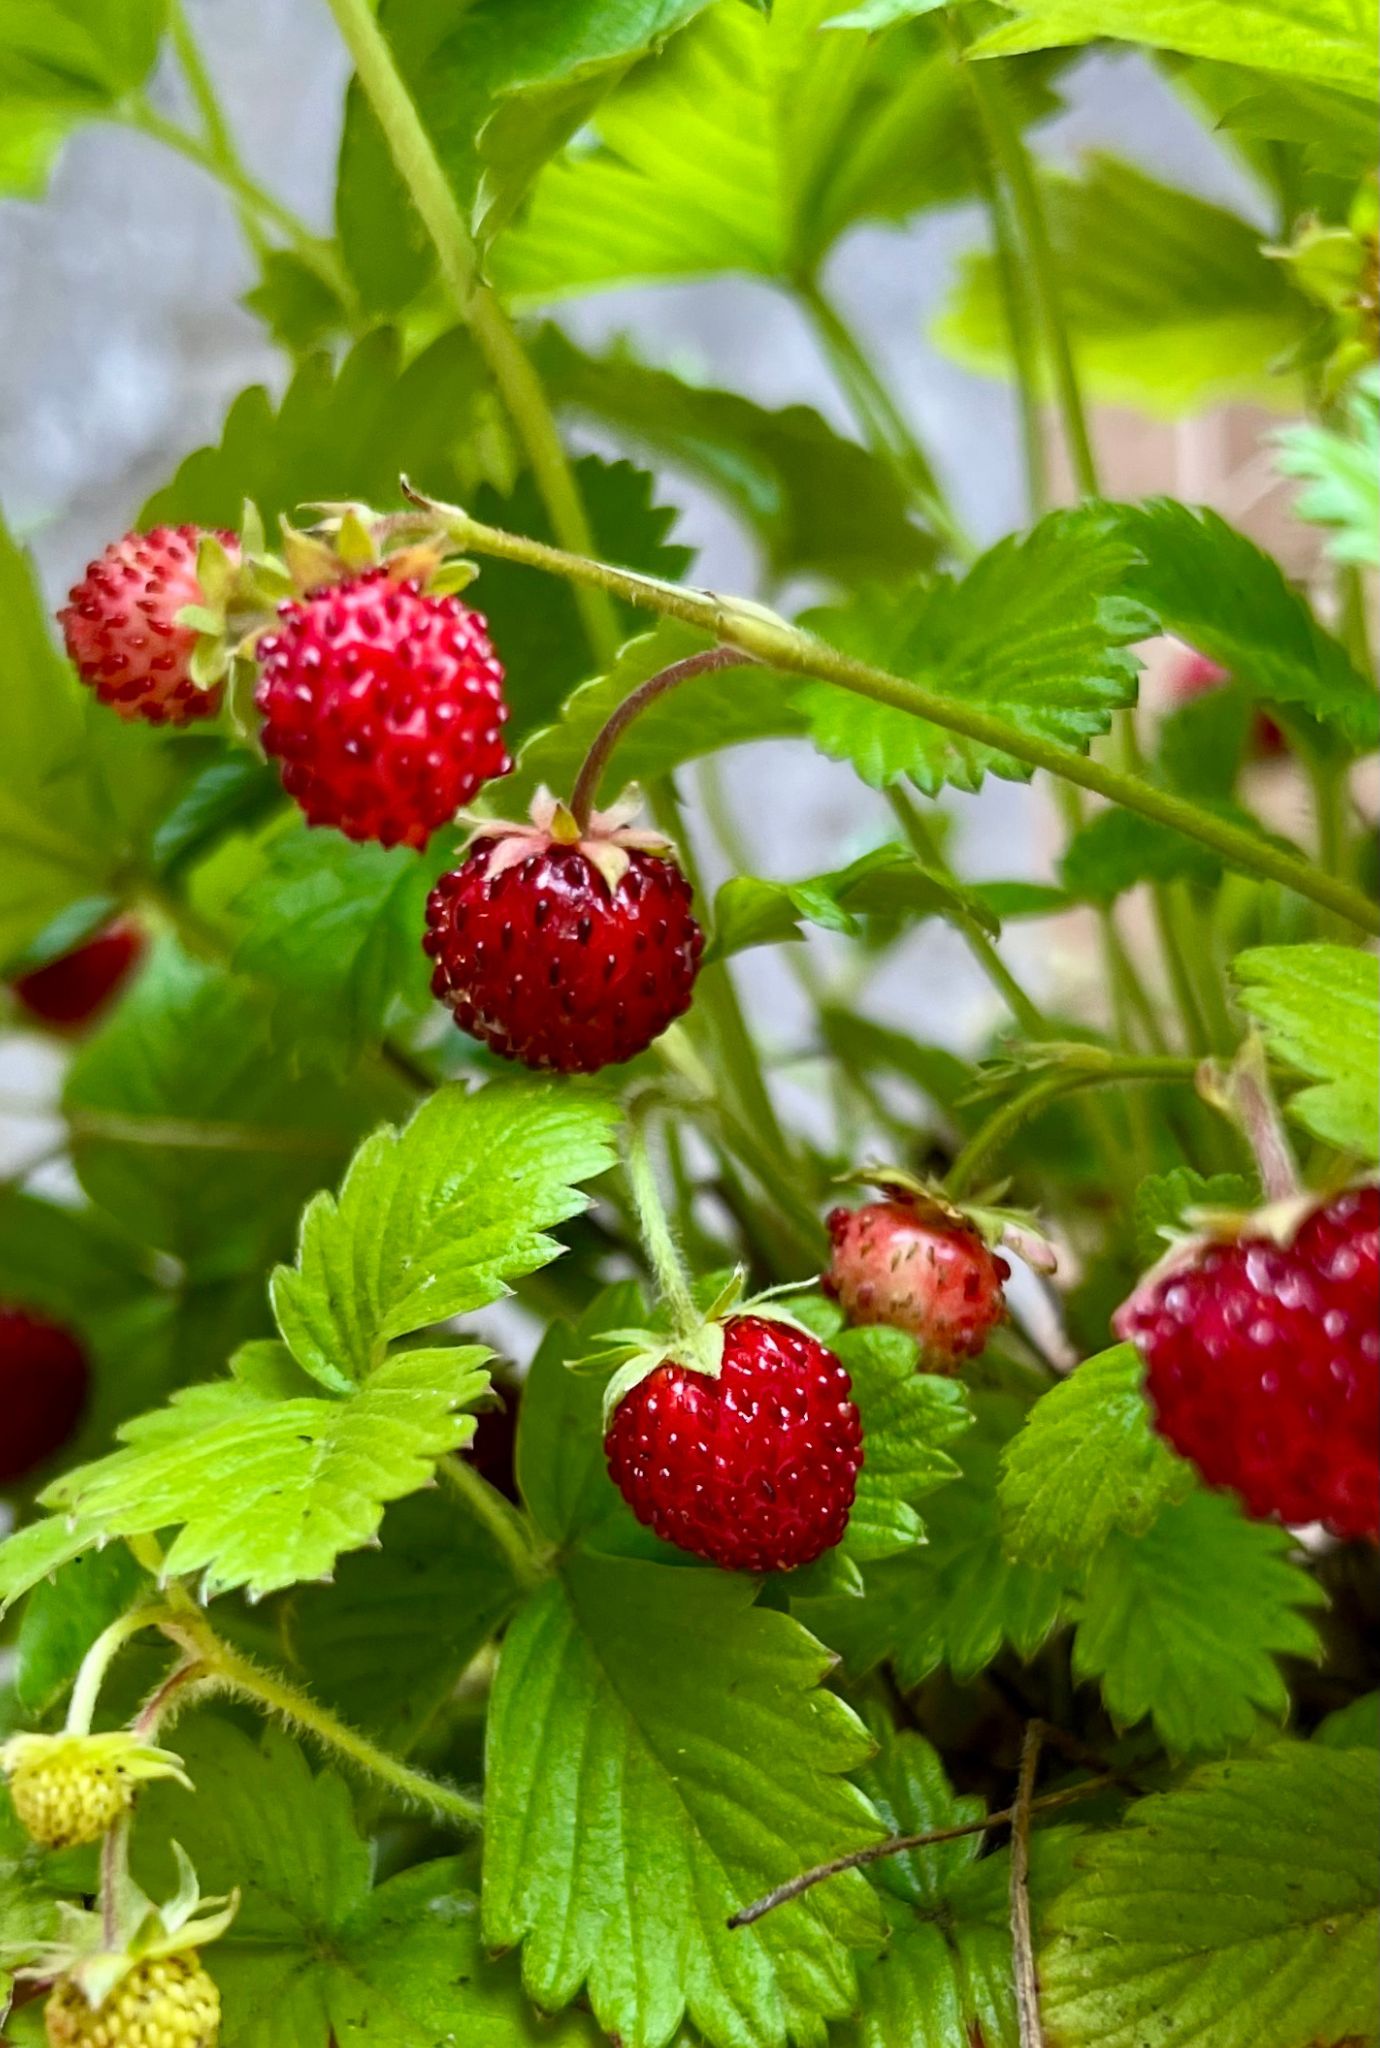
[897,1571]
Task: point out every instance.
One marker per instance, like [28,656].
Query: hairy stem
[81,1707]
[510,1531]
[169,1695]
[777,644]
[1022,1943]
[518,384]
[586,790]
[1004,1122]
[663,1253]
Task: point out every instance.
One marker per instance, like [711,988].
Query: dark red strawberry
[121,626]
[754,1470]
[384,705]
[911,1265]
[75,988]
[43,1385]
[1262,1361]
[1191,674]
[562,948]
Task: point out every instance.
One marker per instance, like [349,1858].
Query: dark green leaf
[1319,1008]
[909,1418]
[889,882]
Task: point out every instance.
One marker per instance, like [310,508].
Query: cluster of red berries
[383,703]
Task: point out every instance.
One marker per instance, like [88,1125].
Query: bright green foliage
[331,928]
[1319,1008]
[945,1976]
[957,1599]
[1237,1911]
[722,709]
[659,1754]
[62,62]
[908,1416]
[1039,632]
[1170,303]
[889,882]
[1184,1622]
[265,1479]
[1340,473]
[816,502]
[1225,596]
[1086,1462]
[1329,41]
[318,1952]
[433,1220]
[1165,1201]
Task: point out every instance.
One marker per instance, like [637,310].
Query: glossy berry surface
[75,988]
[384,706]
[121,626]
[894,1264]
[754,1470]
[1263,1365]
[164,2002]
[547,965]
[43,1384]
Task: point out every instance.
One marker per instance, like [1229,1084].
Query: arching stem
[606,739]
[663,1253]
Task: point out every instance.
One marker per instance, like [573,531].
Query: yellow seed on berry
[165,2002]
[64,1801]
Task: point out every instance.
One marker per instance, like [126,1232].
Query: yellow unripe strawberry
[163,2002]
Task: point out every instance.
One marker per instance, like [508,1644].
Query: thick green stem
[777,644]
[925,847]
[1004,1122]
[884,425]
[1022,182]
[518,384]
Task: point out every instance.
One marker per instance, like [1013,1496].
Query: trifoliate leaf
[1237,1911]
[433,1220]
[1086,1462]
[1163,1200]
[1171,302]
[331,927]
[267,1486]
[318,1956]
[819,504]
[1226,597]
[192,1130]
[1319,1008]
[945,1977]
[1038,633]
[956,1599]
[1184,1623]
[908,1417]
[1330,41]
[889,882]
[386,1642]
[1340,473]
[659,1755]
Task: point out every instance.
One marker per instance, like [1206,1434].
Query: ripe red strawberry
[1263,1363]
[910,1265]
[384,705]
[754,1470]
[1192,674]
[564,949]
[73,989]
[43,1383]
[121,629]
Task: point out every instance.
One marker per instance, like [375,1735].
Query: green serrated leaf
[560,1445]
[1237,1911]
[264,1487]
[1172,303]
[62,1619]
[889,882]
[1086,1462]
[659,1753]
[432,1221]
[908,1418]
[1229,599]
[1340,472]
[1117,850]
[1319,1008]
[1163,1199]
[1039,631]
[1184,1623]
[318,1956]
[1352,1727]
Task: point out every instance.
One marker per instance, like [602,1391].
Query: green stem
[1222,1032]
[228,1668]
[884,425]
[663,1253]
[518,385]
[779,645]
[510,1531]
[584,795]
[219,140]
[81,1707]
[925,847]
[1004,1122]
[1196,1036]
[1013,158]
[1129,993]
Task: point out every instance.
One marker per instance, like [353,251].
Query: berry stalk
[663,1252]
[582,796]
[1109,1071]
[778,644]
